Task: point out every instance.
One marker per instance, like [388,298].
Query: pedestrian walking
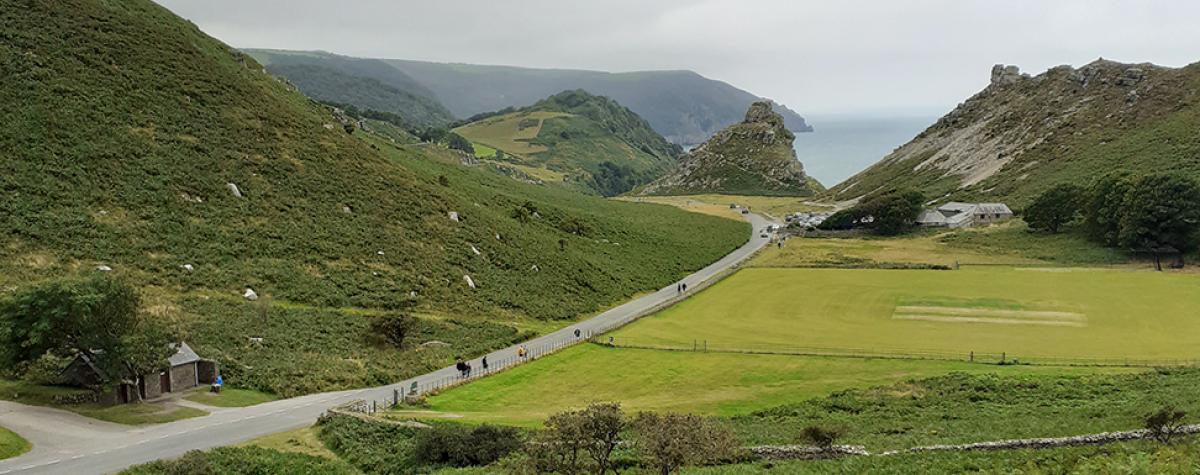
[484,363]
[679,288]
[467,372]
[521,352]
[461,367]
[685,287]
[576,333]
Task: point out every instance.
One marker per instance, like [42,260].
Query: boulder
[234,189]
[187,267]
[103,268]
[470,282]
[250,294]
[475,250]
[435,344]
[1003,75]
[454,216]
[346,209]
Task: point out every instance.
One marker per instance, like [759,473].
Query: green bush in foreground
[243,461]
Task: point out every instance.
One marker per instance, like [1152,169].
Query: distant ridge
[685,107]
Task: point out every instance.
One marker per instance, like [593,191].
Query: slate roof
[183,356]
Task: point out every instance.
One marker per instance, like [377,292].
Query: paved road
[68,443]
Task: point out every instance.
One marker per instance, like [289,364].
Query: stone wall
[153,385]
[183,377]
[207,371]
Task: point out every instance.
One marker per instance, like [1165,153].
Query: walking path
[65,442]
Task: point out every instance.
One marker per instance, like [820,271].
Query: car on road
[745,211]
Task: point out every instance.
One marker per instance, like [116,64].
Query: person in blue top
[216,387]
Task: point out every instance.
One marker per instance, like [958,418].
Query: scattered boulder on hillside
[346,209]
[454,216]
[103,268]
[250,294]
[190,198]
[187,267]
[234,189]
[470,282]
[435,344]
[535,268]
[475,250]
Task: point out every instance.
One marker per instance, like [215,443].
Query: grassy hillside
[1021,134]
[593,142]
[364,83]
[683,106]
[330,85]
[125,125]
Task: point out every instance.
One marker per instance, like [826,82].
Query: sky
[821,58]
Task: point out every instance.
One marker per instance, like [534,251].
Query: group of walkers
[464,368]
[681,287]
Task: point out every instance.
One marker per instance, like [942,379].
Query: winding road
[65,442]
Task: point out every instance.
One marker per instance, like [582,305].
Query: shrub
[1165,423]
[462,446]
[667,442]
[821,437]
[392,328]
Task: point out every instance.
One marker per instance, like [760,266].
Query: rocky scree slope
[1023,134]
[754,157]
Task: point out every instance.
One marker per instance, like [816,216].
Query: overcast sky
[822,57]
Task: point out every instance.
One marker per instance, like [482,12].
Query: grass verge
[230,397]
[11,444]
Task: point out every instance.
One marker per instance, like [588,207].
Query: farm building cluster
[960,215]
[805,219]
[184,370]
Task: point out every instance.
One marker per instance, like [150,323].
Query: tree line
[1157,214]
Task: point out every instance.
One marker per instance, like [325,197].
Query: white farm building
[959,215]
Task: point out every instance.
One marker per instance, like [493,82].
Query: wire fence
[980,357]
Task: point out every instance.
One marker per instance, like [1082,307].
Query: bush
[1054,208]
[667,442]
[462,446]
[821,437]
[1165,423]
[392,328]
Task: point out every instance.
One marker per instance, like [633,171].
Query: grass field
[505,132]
[131,414]
[11,444]
[483,151]
[230,397]
[707,383]
[775,206]
[1026,312]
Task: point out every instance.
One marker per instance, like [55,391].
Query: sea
[841,145]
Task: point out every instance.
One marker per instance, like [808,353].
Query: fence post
[373,408]
[972,356]
[1002,356]
[706,346]
[395,397]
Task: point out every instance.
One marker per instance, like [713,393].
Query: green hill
[754,157]
[682,106]
[583,140]
[364,83]
[1023,134]
[127,128]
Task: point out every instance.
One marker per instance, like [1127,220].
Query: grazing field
[511,133]
[230,397]
[1007,243]
[11,445]
[774,206]
[708,383]
[1024,312]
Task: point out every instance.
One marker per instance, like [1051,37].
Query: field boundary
[990,358]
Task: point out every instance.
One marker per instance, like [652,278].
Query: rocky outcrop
[754,157]
[1023,134]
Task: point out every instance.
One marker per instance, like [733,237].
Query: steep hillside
[134,142]
[1022,134]
[683,106]
[365,83]
[754,157]
[586,141]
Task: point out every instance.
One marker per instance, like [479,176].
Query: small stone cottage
[960,215]
[185,370]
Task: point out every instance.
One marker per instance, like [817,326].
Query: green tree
[1161,214]
[1054,208]
[458,142]
[392,328]
[570,436]
[893,213]
[1102,208]
[670,441]
[97,317]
